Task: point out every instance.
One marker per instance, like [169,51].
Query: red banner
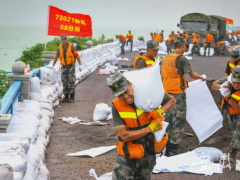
[62,22]
[229,21]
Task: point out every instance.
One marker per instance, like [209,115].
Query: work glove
[225,88]
[204,77]
[155,126]
[156,114]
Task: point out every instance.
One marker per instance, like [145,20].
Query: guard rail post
[18,75]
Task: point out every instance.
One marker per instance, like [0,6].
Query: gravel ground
[67,138]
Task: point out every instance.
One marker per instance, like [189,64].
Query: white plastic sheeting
[187,162]
[203,114]
[93,152]
[150,98]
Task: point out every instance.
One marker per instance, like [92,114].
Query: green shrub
[32,56]
[3,83]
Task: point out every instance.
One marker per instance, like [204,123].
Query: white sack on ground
[101,112]
[147,87]
[93,152]
[95,123]
[107,176]
[209,153]
[203,114]
[186,162]
[114,59]
[70,120]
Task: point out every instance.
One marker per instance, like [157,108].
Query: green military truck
[218,27]
[201,23]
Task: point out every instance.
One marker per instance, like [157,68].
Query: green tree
[3,83]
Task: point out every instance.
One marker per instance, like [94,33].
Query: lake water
[14,39]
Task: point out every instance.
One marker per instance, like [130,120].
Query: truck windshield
[191,25]
[214,27]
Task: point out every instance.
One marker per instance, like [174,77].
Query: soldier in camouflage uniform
[136,152]
[68,55]
[230,89]
[174,67]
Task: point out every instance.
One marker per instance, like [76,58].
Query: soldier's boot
[173,150]
[232,157]
[65,98]
[71,99]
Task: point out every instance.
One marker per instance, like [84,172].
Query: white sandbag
[35,85]
[101,112]
[209,153]
[15,161]
[45,105]
[35,95]
[190,48]
[203,114]
[114,59]
[47,75]
[111,69]
[201,51]
[150,98]
[24,143]
[159,134]
[235,38]
[27,104]
[12,136]
[107,176]
[6,172]
[49,114]
[43,173]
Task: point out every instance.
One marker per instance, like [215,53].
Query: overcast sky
[117,14]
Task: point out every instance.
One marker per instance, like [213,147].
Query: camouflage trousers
[208,45]
[68,79]
[176,118]
[169,48]
[222,48]
[134,169]
[195,45]
[234,123]
[122,47]
[131,42]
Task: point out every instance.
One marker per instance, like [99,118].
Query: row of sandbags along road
[23,147]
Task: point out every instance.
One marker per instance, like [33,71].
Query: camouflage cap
[63,36]
[236,74]
[234,55]
[117,83]
[180,39]
[153,44]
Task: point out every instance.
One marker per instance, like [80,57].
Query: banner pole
[47,27]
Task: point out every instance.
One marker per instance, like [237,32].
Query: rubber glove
[156,114]
[204,77]
[155,126]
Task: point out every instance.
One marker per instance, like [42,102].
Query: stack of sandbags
[13,150]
